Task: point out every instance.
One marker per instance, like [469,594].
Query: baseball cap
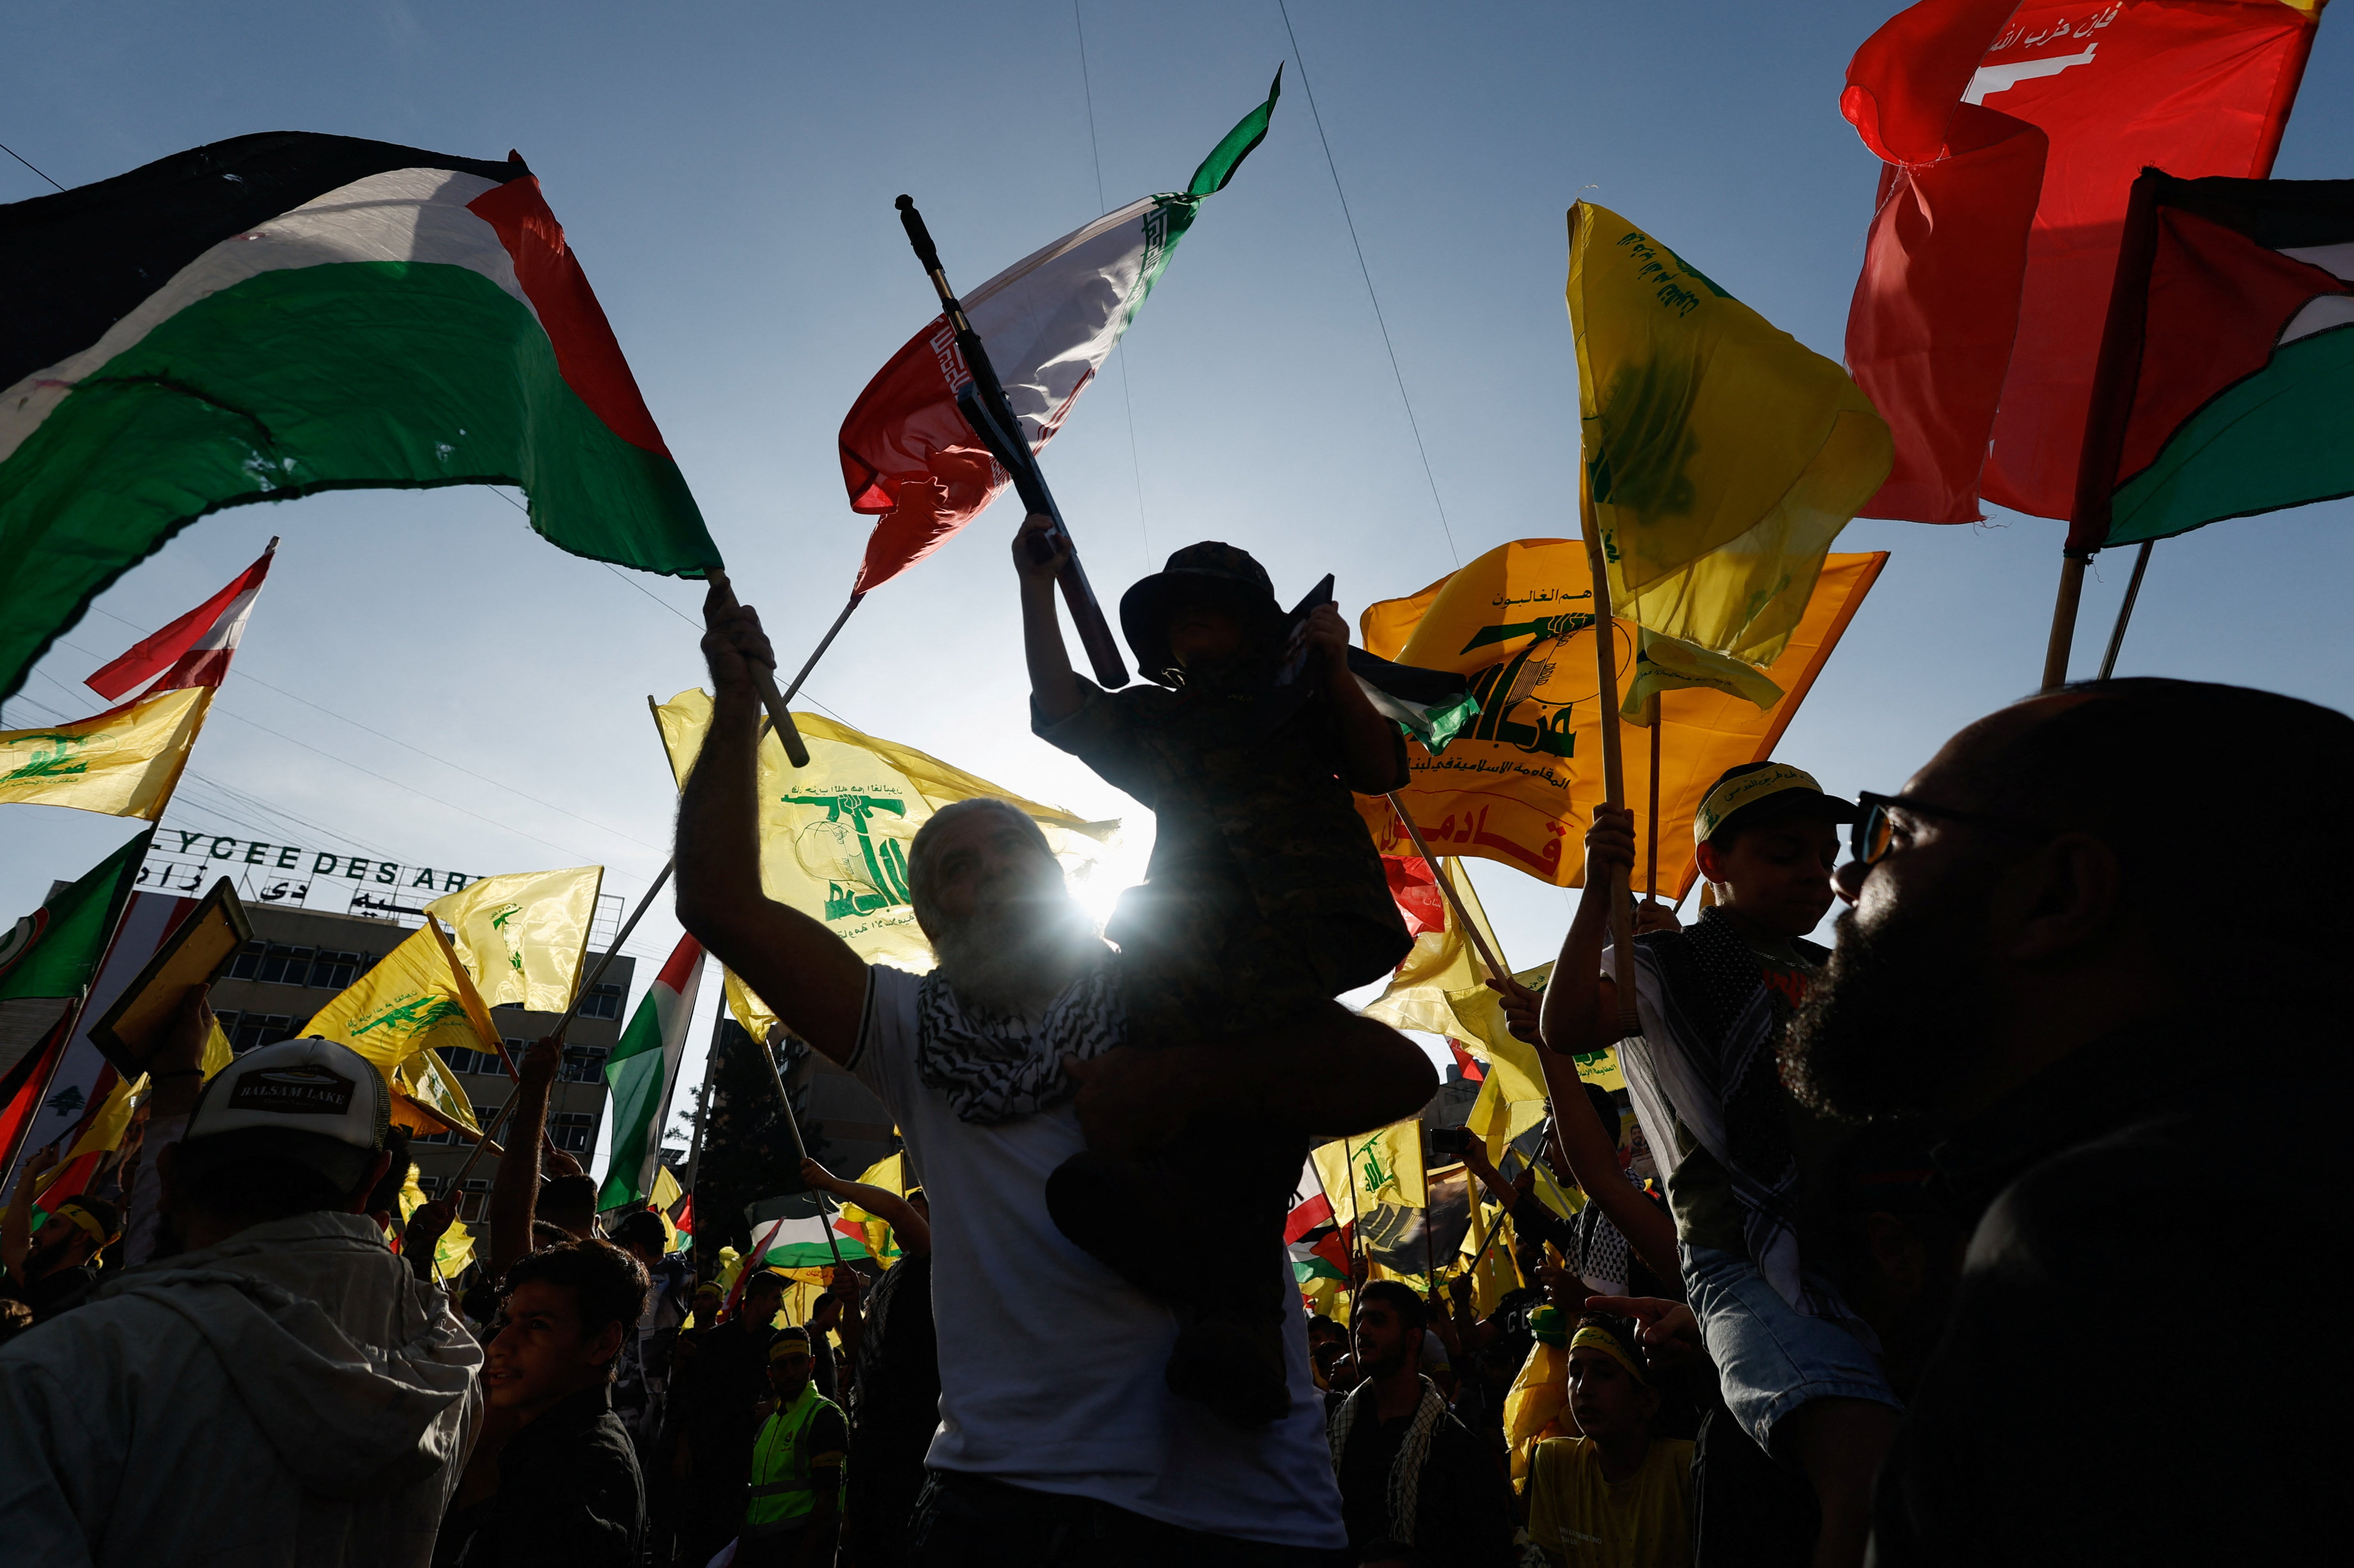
[1744,787]
[313,1102]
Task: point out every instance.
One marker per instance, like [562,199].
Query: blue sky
[727,173]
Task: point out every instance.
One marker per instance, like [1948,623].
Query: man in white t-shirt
[1059,1441]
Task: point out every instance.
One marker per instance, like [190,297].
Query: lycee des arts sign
[185,860]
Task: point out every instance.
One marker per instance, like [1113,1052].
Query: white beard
[1012,958]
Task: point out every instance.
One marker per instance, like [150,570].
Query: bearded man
[1059,1441]
[2053,952]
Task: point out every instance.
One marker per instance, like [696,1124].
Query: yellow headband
[1745,788]
[85,1219]
[1593,1338]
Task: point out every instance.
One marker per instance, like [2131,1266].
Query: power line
[665,604]
[1412,423]
[27,162]
[404,745]
[1103,202]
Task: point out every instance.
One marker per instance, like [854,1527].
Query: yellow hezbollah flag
[522,935]
[1383,1167]
[123,763]
[1722,456]
[455,1249]
[414,1001]
[1442,960]
[1520,783]
[834,835]
[890,1173]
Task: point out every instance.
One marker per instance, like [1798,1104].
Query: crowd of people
[1890,1256]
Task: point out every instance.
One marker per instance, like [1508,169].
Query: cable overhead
[1103,202]
[27,163]
[1412,423]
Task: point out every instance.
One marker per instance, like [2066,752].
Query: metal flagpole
[2124,611]
[800,1150]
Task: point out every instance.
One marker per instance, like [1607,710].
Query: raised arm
[514,1192]
[804,972]
[1581,1004]
[1051,686]
[1593,1154]
[914,1232]
[1376,762]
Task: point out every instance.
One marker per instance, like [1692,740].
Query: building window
[583,1064]
[603,1000]
[428,1185]
[282,965]
[470,1202]
[259,1029]
[334,971]
[466,1059]
[247,960]
[571,1130]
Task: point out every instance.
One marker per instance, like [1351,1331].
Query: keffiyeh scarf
[1405,1470]
[1715,1002]
[994,1068]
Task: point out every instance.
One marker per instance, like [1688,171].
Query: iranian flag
[285,313]
[1049,323]
[2227,376]
[642,1070]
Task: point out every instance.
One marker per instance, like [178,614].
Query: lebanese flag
[195,649]
[1049,321]
[2011,138]
[2228,379]
[286,313]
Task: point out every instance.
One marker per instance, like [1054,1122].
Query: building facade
[300,958]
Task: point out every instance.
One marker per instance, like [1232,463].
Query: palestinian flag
[1430,705]
[1049,321]
[1319,1244]
[46,964]
[796,1245]
[286,313]
[642,1069]
[2227,370]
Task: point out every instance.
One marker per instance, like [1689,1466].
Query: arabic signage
[185,861]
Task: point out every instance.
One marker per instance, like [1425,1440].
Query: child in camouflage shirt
[1264,900]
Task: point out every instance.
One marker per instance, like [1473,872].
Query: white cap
[316,1102]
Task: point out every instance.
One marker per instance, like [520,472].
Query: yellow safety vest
[780,1493]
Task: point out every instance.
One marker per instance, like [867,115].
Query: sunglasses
[1869,836]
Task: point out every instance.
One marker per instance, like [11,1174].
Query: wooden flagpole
[1614,775]
[1454,899]
[1651,835]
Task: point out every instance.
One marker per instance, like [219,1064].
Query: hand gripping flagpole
[983,405]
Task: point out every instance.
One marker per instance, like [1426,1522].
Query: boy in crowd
[792,1511]
[1615,1496]
[1798,1370]
[1263,901]
[56,1267]
[569,1488]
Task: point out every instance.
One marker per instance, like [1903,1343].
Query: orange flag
[1520,783]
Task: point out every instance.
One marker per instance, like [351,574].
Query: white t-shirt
[1051,1363]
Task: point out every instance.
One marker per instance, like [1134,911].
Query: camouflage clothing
[1265,894]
